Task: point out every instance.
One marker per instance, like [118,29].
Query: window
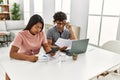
[108,29]
[63,5]
[93,29]
[103,21]
[95,6]
[111,7]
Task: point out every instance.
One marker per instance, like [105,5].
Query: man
[62,29]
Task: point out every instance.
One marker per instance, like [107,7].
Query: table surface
[88,65]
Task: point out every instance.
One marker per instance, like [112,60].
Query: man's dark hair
[60,16]
[34,20]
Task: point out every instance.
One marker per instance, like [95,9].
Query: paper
[46,58]
[64,42]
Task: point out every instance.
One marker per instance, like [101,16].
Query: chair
[114,46]
[76,29]
[47,26]
[4,34]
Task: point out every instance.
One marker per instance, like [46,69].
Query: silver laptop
[78,47]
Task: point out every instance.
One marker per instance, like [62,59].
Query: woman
[29,41]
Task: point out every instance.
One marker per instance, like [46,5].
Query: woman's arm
[14,54]
[48,49]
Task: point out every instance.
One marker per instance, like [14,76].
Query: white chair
[47,26]
[112,45]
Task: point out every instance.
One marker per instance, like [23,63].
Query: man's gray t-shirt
[54,34]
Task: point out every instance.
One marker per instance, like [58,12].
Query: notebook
[78,47]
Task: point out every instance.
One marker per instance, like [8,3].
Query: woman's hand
[52,53]
[32,58]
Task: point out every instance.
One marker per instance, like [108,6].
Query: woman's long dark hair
[34,20]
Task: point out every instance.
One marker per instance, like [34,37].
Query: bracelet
[55,49]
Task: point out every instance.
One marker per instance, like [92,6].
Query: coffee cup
[74,56]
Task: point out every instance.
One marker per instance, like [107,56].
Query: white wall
[79,15]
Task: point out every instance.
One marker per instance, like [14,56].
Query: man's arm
[72,34]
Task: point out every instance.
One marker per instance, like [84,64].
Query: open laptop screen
[79,46]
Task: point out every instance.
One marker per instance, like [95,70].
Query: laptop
[78,47]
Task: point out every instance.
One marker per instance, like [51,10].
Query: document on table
[64,42]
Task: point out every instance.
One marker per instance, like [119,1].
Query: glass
[62,57]
[61,22]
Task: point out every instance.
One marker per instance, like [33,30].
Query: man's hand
[68,26]
[63,48]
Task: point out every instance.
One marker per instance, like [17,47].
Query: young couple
[28,42]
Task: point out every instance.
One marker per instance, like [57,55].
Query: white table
[92,63]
